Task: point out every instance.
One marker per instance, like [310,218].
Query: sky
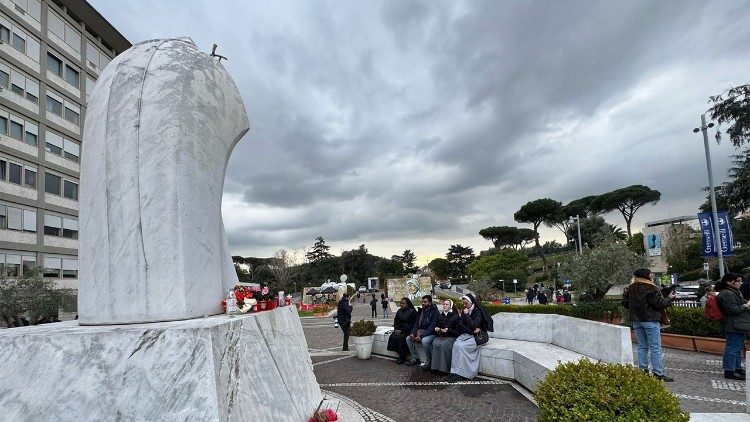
[415,124]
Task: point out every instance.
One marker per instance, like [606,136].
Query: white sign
[705,266]
[515,280]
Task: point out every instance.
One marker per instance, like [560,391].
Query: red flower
[332,416]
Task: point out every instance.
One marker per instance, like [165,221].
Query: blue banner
[726,240]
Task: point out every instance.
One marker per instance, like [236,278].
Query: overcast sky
[414,124]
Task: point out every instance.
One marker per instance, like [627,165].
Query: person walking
[374,306]
[736,313]
[645,303]
[530,296]
[344,316]
[384,304]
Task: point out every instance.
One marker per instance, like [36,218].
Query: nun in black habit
[465,354]
[406,317]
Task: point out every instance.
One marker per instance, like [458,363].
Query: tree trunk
[541,251]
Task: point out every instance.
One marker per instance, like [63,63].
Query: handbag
[481,337]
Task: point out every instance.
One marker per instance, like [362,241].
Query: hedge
[588,391]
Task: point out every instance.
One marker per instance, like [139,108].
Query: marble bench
[526,347]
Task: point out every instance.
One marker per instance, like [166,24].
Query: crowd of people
[538,294]
[450,339]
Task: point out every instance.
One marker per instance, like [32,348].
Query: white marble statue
[161,123]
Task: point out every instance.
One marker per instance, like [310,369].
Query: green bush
[588,391]
[362,328]
[603,309]
[530,309]
[688,322]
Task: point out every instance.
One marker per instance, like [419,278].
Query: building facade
[51,53]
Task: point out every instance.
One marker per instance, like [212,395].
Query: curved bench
[526,347]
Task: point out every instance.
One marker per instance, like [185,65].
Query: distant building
[656,234]
[51,53]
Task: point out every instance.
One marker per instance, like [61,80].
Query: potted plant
[363,333]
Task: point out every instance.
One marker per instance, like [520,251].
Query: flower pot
[255,308]
[677,341]
[262,305]
[363,346]
[709,345]
[271,305]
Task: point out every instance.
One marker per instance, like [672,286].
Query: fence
[687,303]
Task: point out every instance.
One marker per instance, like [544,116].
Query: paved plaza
[383,391]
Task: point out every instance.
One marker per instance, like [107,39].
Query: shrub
[588,391]
[362,328]
[530,309]
[687,322]
[321,309]
[598,310]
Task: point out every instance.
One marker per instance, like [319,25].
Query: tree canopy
[595,230]
[319,250]
[732,107]
[597,270]
[459,258]
[507,236]
[506,264]
[537,212]
[627,200]
[441,268]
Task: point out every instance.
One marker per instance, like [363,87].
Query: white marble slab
[161,123]
[254,367]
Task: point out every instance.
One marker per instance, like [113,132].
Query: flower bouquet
[246,301]
[325,415]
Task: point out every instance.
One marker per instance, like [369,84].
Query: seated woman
[446,331]
[465,355]
[403,323]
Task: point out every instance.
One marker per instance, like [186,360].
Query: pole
[580,246]
[717,236]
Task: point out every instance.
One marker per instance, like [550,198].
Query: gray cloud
[413,124]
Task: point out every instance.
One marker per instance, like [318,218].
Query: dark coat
[542,298]
[736,316]
[373,303]
[426,320]
[450,322]
[645,302]
[344,312]
[405,320]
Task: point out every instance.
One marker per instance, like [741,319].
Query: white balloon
[343,278]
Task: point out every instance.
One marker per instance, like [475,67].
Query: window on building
[95,56]
[52,267]
[32,132]
[17,82]
[70,268]
[29,178]
[14,173]
[12,265]
[31,7]
[3,125]
[72,38]
[4,76]
[53,143]
[4,33]
[70,190]
[54,64]
[54,105]
[52,183]
[89,86]
[70,228]
[19,43]
[29,221]
[28,263]
[3,217]
[3,169]
[15,218]
[72,150]
[52,225]
[32,91]
[16,129]
[72,76]
[72,112]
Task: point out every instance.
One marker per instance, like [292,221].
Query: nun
[446,331]
[465,354]
[406,317]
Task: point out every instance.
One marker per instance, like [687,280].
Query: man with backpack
[736,311]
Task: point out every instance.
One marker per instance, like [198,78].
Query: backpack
[712,310]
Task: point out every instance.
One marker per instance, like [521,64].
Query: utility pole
[717,237]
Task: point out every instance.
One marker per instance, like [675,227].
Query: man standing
[374,306]
[644,300]
[344,315]
[423,332]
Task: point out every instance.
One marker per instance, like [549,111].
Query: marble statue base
[248,368]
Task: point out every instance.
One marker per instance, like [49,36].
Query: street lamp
[577,219]
[704,128]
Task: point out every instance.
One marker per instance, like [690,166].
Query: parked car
[362,289]
[445,285]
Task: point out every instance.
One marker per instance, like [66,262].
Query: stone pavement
[402,393]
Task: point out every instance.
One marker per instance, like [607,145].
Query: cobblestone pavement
[699,383]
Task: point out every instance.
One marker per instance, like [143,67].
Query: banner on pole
[726,240]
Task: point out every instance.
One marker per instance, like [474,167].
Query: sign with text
[708,244]
[654,244]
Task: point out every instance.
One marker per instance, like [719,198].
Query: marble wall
[253,367]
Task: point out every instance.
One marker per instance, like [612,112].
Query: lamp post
[577,219]
[704,128]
